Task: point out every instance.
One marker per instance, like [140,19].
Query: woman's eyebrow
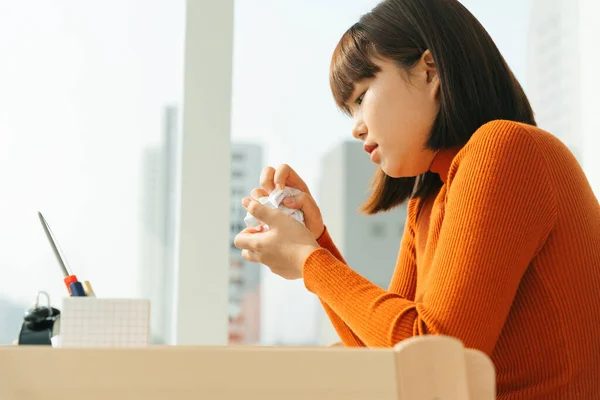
[348,102]
[354,93]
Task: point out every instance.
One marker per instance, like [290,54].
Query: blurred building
[157,230]
[553,66]
[157,233]
[590,87]
[564,85]
[244,280]
[370,244]
[11,318]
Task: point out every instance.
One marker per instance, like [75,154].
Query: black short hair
[476,84]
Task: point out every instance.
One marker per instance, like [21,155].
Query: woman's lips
[372,150]
[375,155]
[369,148]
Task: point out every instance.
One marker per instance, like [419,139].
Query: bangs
[350,63]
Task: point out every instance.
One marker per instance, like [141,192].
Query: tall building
[11,318]
[244,280]
[563,79]
[554,70]
[370,244]
[158,228]
[590,88]
[158,237]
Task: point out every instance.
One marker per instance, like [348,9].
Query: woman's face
[393,113]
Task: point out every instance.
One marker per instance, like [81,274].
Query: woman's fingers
[301,201]
[267,181]
[257,193]
[286,176]
[251,256]
[282,176]
[312,215]
[245,241]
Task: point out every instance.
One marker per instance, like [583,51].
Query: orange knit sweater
[505,257]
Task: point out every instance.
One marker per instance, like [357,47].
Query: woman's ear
[433,78]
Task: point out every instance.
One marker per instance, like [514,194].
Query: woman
[502,242]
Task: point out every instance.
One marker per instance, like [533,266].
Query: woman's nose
[359,130]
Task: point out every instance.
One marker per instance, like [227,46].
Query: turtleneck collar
[441,162]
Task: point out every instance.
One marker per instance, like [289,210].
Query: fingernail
[288,201]
[246,201]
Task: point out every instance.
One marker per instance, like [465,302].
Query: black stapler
[39,323]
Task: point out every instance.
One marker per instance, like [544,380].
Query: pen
[74,287]
[87,286]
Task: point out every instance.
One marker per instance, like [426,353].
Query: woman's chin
[391,172]
[396,172]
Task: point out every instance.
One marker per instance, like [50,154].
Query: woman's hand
[283,248]
[284,175]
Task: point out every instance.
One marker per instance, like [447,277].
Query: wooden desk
[418,368]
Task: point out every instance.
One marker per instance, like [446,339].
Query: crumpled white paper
[274,201]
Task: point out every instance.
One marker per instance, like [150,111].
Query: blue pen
[76,289]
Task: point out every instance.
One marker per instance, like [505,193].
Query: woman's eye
[359,99]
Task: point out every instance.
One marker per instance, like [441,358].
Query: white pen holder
[100,322]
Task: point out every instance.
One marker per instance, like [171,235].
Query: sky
[84,85]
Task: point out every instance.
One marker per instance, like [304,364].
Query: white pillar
[203,248]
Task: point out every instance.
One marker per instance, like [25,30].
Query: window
[237,174]
[89,109]
[238,157]
[378,229]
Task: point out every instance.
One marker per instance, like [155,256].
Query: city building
[244,279]
[370,244]
[589,33]
[158,240]
[563,82]
[157,230]
[553,65]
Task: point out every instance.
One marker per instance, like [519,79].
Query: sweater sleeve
[404,280]
[346,334]
[499,210]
